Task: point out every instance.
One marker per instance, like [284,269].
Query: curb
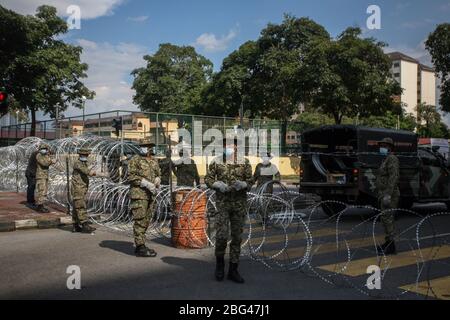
[34,224]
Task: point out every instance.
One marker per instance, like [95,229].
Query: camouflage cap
[387,141]
[84,151]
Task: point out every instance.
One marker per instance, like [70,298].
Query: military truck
[340,162]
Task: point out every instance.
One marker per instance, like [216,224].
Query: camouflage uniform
[231,206]
[43,163]
[187,174]
[264,173]
[387,184]
[142,200]
[30,174]
[164,166]
[79,187]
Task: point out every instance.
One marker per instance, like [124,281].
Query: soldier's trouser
[388,219]
[142,211]
[41,188]
[31,186]
[230,215]
[79,215]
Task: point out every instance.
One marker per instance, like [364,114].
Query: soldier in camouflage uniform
[30,174]
[144,176]
[231,181]
[186,171]
[388,193]
[265,172]
[43,162]
[79,187]
[166,166]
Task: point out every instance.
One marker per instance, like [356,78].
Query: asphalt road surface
[34,263]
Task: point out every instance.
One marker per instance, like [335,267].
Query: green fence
[139,126]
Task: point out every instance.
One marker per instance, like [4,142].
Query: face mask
[266,161]
[84,159]
[43,151]
[384,151]
[144,150]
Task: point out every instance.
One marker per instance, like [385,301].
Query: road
[34,264]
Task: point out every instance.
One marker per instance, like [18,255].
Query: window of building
[396,64]
[397,75]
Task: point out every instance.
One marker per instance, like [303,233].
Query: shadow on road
[125,247]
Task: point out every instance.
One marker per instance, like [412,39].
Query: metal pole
[241,112]
[17,173]
[170,175]
[68,183]
[157,130]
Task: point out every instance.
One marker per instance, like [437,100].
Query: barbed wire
[284,230]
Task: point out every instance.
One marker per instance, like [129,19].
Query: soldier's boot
[220,268]
[143,251]
[86,228]
[76,227]
[233,273]
[387,248]
[40,208]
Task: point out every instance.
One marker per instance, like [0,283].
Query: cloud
[109,75]
[418,23]
[90,9]
[138,19]
[211,43]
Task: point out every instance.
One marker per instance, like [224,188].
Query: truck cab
[341,162]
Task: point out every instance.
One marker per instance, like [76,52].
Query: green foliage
[42,72]
[172,80]
[438,44]
[430,123]
[353,77]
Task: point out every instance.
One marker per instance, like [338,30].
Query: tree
[391,121]
[430,123]
[438,44]
[353,77]
[172,80]
[234,85]
[45,72]
[266,75]
[281,75]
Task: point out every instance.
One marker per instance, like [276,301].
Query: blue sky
[115,34]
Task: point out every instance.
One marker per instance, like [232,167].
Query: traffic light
[3,101]
[117,125]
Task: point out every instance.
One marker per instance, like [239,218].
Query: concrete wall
[428,87]
[408,81]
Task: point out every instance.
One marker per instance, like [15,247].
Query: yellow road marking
[296,252]
[439,288]
[403,259]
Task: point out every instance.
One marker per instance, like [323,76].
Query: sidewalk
[15,215]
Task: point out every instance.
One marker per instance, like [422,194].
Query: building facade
[418,81]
